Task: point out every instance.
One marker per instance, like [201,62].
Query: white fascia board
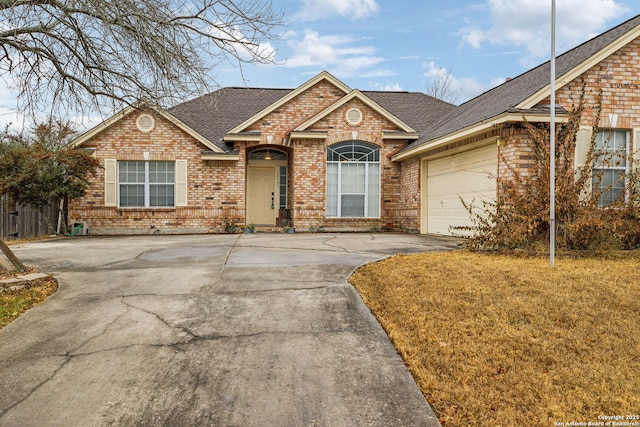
[476,129]
[222,157]
[365,100]
[308,135]
[243,137]
[137,107]
[574,73]
[300,89]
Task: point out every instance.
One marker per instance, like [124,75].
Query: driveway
[211,330]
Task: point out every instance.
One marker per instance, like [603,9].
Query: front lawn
[494,340]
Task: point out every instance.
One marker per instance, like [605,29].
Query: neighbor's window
[146,184]
[610,166]
[353,180]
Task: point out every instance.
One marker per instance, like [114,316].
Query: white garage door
[469,175]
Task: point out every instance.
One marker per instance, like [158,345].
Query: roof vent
[353,116]
[145,123]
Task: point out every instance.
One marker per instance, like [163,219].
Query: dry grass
[14,303]
[494,340]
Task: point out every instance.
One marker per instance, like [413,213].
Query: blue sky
[402,44]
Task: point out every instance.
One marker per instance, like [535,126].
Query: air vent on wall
[145,123]
[353,116]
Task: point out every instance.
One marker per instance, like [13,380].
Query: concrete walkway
[228,330]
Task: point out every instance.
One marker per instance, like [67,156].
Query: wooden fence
[24,222]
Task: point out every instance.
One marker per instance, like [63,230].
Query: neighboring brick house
[325,155]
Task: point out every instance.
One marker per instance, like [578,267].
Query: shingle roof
[511,93]
[418,110]
[214,114]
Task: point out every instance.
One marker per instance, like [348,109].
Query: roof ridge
[542,64]
[512,92]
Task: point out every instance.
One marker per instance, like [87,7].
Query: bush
[520,217]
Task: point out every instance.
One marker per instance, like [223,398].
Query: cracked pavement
[216,330]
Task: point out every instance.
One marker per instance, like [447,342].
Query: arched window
[353,180]
[267,154]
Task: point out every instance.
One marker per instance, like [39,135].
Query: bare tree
[84,54]
[444,85]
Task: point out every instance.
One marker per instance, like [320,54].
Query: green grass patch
[504,341]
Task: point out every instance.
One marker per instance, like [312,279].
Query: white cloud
[241,47]
[338,53]
[9,114]
[498,81]
[387,87]
[18,121]
[314,10]
[527,23]
[459,89]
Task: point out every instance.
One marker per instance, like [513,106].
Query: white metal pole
[552,142]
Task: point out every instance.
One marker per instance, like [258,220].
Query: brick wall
[215,188]
[617,78]
[407,214]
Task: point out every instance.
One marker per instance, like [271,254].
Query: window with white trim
[610,166]
[144,184]
[353,180]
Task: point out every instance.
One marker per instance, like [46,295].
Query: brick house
[325,155]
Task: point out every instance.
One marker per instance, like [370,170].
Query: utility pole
[552,142]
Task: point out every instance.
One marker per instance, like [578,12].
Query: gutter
[469,131]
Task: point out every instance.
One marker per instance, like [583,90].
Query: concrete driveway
[224,330]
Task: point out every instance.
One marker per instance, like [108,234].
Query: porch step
[268,229]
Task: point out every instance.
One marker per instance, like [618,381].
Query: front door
[262,197]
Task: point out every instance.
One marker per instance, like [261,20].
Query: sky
[401,45]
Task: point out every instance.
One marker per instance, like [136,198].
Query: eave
[308,134]
[229,157]
[400,135]
[575,72]
[322,76]
[478,128]
[365,100]
[140,106]
[247,136]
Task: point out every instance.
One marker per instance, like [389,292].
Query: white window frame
[146,185]
[597,177]
[367,176]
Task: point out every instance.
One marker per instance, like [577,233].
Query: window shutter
[583,141]
[110,182]
[636,148]
[181,183]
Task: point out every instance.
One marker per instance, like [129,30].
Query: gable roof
[210,117]
[217,112]
[356,94]
[300,89]
[214,114]
[525,91]
[416,109]
[142,105]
